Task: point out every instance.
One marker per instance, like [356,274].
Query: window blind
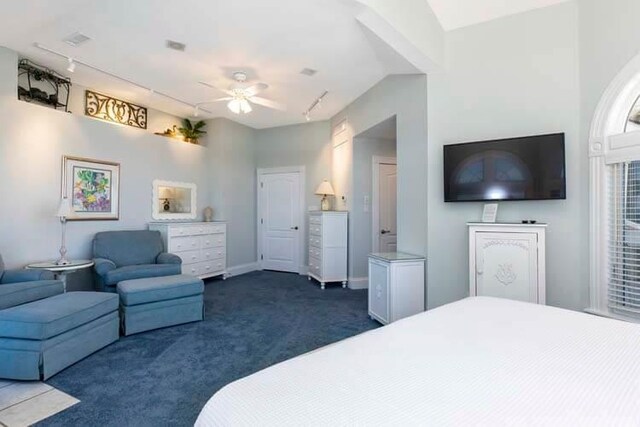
[624,238]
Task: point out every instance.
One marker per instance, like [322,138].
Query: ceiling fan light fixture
[234,106]
[245,107]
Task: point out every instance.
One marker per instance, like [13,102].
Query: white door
[280,221]
[387,200]
[506,266]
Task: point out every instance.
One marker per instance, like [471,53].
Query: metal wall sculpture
[115,110]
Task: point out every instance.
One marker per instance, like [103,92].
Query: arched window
[633,119]
[614,151]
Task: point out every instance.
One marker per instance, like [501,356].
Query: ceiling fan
[240,97]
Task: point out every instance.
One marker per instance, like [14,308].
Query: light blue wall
[364,150]
[403,96]
[513,76]
[33,140]
[231,165]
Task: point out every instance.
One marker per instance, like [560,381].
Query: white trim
[356,283]
[375,196]
[609,120]
[242,269]
[301,170]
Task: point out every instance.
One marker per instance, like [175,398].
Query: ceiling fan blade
[228,92]
[267,103]
[255,89]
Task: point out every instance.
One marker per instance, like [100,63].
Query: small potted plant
[192,131]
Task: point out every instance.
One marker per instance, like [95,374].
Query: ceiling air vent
[176,45]
[308,71]
[76,39]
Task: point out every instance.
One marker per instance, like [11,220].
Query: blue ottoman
[158,302]
[41,338]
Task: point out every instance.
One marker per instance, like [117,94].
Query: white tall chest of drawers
[201,245]
[328,247]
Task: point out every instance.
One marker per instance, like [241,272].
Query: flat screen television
[527,168]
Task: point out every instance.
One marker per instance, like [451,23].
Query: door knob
[294,228]
[385,231]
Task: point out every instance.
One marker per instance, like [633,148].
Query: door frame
[303,225]
[375,197]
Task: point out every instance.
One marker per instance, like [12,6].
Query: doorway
[384,188]
[372,221]
[280,218]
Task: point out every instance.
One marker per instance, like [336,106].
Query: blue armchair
[23,286]
[126,255]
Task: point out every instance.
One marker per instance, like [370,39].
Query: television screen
[528,168]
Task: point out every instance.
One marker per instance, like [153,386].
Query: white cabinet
[202,246]
[507,261]
[328,247]
[396,286]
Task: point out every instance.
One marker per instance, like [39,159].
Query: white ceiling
[454,14]
[270,40]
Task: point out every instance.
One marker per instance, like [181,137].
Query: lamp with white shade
[166,194]
[64,209]
[325,189]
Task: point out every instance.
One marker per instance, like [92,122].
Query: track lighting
[196,111]
[316,104]
[72,67]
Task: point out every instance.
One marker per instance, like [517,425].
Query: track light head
[72,65]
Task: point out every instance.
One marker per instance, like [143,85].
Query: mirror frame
[162,216]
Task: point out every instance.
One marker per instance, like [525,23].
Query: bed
[479,361]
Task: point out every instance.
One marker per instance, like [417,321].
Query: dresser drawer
[212,266]
[213,253]
[315,267]
[315,241]
[315,219]
[190,257]
[315,252]
[178,231]
[180,244]
[216,228]
[315,229]
[212,241]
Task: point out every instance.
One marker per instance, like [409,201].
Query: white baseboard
[359,283]
[242,269]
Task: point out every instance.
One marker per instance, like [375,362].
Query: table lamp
[325,189]
[64,209]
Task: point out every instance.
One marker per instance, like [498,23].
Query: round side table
[61,271]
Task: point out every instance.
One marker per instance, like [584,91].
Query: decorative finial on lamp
[325,189]
[64,209]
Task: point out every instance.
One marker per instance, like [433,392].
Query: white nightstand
[61,271]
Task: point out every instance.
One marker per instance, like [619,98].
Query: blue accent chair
[128,255]
[23,286]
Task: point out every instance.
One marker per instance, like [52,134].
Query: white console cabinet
[396,286]
[507,261]
[201,245]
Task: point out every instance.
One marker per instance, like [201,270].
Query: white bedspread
[479,361]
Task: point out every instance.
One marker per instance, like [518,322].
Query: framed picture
[92,187]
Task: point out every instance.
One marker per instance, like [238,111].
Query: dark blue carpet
[165,377]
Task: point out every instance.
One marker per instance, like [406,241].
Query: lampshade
[325,189]
[64,208]
[166,193]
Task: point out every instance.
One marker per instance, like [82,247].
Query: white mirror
[173,200]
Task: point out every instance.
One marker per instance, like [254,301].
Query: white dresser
[328,247]
[396,286]
[201,245]
[507,261]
